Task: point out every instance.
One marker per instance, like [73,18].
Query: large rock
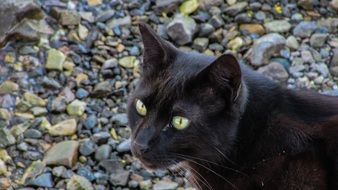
[64,153]
[265,47]
[305,29]
[181,29]
[12,12]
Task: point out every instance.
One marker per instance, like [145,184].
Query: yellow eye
[180,123]
[141,108]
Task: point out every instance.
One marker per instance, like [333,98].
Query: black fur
[246,131]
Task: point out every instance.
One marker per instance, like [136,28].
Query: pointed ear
[225,73]
[156,52]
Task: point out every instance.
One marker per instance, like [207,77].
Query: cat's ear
[156,52]
[224,72]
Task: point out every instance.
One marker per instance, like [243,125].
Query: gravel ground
[66,68]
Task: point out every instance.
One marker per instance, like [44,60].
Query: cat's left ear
[224,72]
[157,52]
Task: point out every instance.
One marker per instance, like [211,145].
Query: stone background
[66,68]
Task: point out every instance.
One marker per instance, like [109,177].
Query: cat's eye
[180,123]
[141,108]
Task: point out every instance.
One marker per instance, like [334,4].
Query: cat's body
[244,132]
[283,137]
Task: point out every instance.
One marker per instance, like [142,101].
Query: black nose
[141,148]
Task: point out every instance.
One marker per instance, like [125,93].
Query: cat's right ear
[225,73]
[156,52]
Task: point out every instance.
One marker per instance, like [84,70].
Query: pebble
[318,39]
[181,29]
[292,43]
[304,29]
[81,93]
[120,119]
[252,28]
[87,147]
[103,152]
[55,60]
[76,108]
[66,80]
[165,185]
[236,8]
[78,182]
[128,62]
[265,47]
[64,128]
[63,153]
[8,87]
[90,122]
[274,71]
[6,138]
[32,133]
[279,26]
[43,180]
[119,178]
[124,146]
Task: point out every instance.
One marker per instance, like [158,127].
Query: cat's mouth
[156,163]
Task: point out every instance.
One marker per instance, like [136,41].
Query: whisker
[214,172]
[200,175]
[225,167]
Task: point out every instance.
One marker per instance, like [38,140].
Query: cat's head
[185,106]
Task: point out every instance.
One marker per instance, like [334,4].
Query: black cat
[231,127]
